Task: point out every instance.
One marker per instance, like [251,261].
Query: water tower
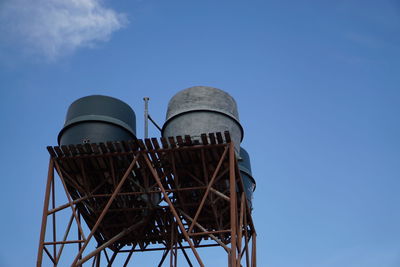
[176,194]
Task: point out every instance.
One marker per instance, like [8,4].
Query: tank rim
[98,118]
[203,109]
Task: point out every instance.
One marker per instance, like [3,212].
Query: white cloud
[56,27]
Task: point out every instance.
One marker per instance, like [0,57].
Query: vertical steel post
[240,226]
[79,234]
[53,206]
[171,259]
[146,117]
[50,178]
[233,204]
[253,251]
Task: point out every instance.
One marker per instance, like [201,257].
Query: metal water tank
[98,118]
[245,172]
[203,109]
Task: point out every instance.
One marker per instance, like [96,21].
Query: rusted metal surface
[138,196]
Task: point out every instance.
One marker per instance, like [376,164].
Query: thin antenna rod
[146,117]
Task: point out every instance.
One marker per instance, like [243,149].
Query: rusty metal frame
[186,225]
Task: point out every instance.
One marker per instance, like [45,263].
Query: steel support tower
[174,196]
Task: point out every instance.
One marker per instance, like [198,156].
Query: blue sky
[316,82]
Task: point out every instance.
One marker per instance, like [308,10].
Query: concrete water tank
[98,118]
[203,109]
[245,172]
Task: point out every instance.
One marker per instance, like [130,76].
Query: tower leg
[233,204]
[50,180]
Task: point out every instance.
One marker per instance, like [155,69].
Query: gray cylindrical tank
[203,109]
[98,118]
[245,172]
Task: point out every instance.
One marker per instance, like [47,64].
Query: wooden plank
[179,140]
[227,137]
[125,146]
[140,144]
[88,148]
[148,143]
[111,147]
[171,141]
[204,139]
[59,153]
[155,160]
[81,150]
[213,152]
[156,146]
[183,155]
[164,142]
[70,161]
[118,146]
[73,162]
[133,145]
[103,148]
[177,155]
[62,160]
[207,153]
[212,138]
[65,150]
[73,150]
[194,156]
[90,151]
[51,151]
[155,143]
[188,140]
[219,138]
[102,163]
[95,148]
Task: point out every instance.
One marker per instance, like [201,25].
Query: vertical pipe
[146,117]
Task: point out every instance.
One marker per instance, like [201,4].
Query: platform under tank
[247,177]
[203,109]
